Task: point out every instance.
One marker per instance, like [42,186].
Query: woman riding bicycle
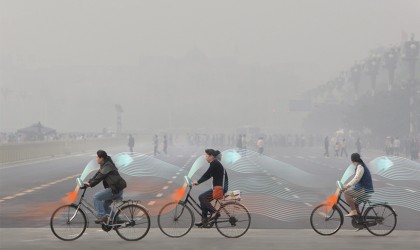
[217,171]
[360,186]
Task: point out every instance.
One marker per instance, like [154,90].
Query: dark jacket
[216,171]
[366,181]
[109,176]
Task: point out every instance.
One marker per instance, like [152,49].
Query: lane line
[159,195]
[409,190]
[389,184]
[151,203]
[165,187]
[308,204]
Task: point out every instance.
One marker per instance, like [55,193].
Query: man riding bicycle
[113,184]
[220,178]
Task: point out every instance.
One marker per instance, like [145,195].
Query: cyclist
[220,178]
[360,186]
[113,184]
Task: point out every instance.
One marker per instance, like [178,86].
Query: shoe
[101,220]
[352,213]
[200,224]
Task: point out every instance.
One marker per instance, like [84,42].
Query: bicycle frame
[194,203]
[340,202]
[84,203]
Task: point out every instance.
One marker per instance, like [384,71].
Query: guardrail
[15,152]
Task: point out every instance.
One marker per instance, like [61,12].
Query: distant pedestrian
[343,147]
[327,146]
[359,146]
[260,145]
[165,145]
[337,148]
[239,142]
[397,146]
[131,142]
[155,145]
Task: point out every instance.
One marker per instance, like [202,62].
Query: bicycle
[128,218]
[379,219]
[176,219]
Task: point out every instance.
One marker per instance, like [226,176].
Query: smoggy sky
[67,63]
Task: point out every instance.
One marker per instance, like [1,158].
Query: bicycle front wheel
[380,220]
[135,222]
[234,220]
[326,220]
[175,220]
[68,222]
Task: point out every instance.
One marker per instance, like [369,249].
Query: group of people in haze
[360,185]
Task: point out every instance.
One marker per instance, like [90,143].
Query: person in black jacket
[220,178]
[113,184]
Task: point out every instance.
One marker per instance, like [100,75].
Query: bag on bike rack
[233,195]
[217,192]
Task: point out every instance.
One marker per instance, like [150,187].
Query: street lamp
[411,51]
[390,63]
[355,75]
[372,67]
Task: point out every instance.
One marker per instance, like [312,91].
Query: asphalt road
[30,191]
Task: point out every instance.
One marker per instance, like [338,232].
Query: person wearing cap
[360,186]
[218,173]
[113,183]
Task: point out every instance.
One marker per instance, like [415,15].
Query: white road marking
[159,195]
[1,200]
[177,173]
[287,189]
[169,182]
[151,203]
[165,187]
[409,190]
[20,194]
[297,197]
[28,191]
[308,204]
[173,177]
[389,184]
[8,197]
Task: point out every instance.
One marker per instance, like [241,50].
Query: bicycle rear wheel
[326,220]
[175,220]
[68,223]
[380,220]
[234,220]
[135,220]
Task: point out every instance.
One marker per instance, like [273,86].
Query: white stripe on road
[297,197]
[409,190]
[1,200]
[308,204]
[151,203]
[159,195]
[173,177]
[165,187]
[9,197]
[389,184]
[287,189]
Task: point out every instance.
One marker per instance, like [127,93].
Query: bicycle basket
[232,195]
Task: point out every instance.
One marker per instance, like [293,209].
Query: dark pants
[205,202]
[205,199]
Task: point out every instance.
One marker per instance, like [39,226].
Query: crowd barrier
[15,152]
